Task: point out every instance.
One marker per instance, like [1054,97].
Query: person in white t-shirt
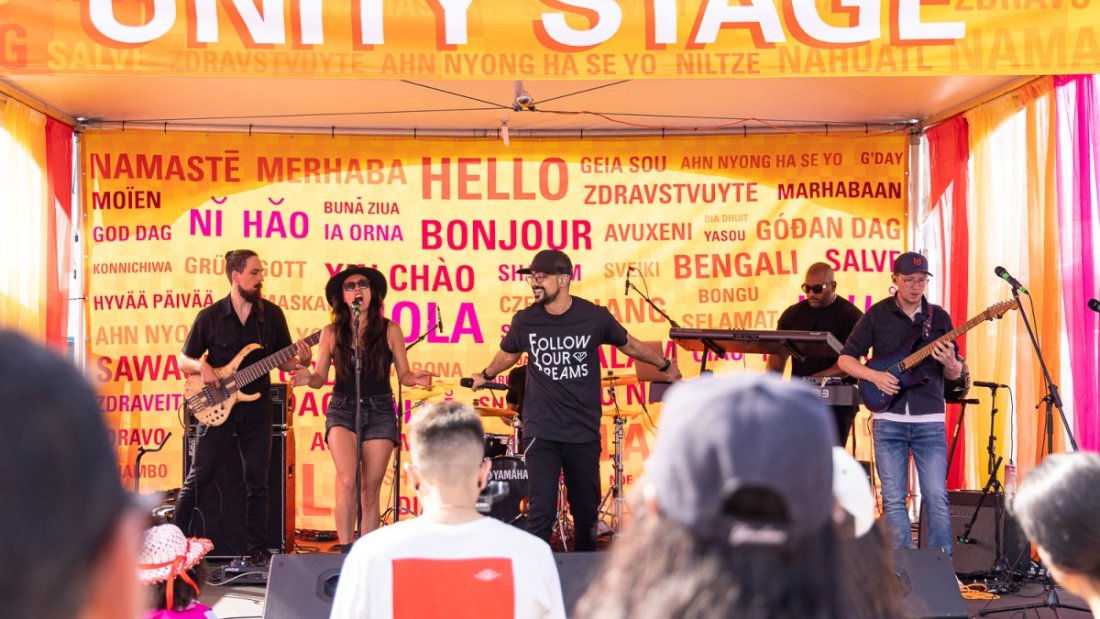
[451,561]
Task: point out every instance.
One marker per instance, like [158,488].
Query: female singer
[358,292]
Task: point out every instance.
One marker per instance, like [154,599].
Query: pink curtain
[1079,138]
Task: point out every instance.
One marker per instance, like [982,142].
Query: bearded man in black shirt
[821,310]
[562,335]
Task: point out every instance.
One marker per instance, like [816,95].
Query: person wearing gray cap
[736,514]
[562,335]
[914,421]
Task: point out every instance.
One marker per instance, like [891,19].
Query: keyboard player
[821,310]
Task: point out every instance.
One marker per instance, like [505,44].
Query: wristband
[486,376]
[666,366]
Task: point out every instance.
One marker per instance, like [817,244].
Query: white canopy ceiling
[364,105]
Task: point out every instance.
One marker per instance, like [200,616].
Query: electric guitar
[903,364]
[212,405]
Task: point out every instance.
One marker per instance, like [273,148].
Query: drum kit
[505,497]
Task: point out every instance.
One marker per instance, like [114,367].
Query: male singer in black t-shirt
[562,335]
[822,310]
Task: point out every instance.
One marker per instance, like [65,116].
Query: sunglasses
[818,289]
[362,284]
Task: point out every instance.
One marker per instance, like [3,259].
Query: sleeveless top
[369,385]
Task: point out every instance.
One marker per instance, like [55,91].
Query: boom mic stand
[1052,400]
[141,451]
[357,530]
[709,343]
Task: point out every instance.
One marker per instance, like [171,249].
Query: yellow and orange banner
[717,230]
[548,39]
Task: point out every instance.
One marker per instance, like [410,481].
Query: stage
[248,601]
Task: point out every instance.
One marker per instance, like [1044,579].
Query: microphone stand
[706,341]
[357,530]
[1052,398]
[141,451]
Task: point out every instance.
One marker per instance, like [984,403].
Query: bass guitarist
[913,422]
[219,332]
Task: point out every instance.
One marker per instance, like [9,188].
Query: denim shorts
[378,414]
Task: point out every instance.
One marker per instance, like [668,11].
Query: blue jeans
[928,444]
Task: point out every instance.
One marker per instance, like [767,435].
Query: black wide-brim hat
[335,286]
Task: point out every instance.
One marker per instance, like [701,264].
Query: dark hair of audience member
[62,498]
[182,592]
[659,569]
[1058,508]
[869,585]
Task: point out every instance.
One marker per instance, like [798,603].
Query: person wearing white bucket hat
[171,563]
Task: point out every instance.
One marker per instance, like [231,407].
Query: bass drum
[508,496]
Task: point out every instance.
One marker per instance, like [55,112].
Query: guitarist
[220,331]
[914,422]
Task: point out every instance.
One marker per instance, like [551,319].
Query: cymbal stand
[561,522]
[614,494]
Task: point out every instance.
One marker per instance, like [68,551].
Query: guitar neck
[265,365]
[925,351]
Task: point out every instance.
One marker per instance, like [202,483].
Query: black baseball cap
[911,262]
[550,261]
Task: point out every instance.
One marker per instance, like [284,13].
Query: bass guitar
[212,405]
[903,363]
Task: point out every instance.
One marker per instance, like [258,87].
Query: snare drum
[496,445]
[512,472]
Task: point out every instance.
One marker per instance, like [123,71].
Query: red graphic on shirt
[480,588]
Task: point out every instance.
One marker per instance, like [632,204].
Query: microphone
[355,306]
[438,320]
[469,384]
[988,385]
[1094,305]
[1003,274]
[626,289]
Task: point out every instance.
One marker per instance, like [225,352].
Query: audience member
[72,531]
[869,586]
[736,514]
[1058,508]
[451,561]
[171,565]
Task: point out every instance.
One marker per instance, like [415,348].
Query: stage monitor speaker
[302,586]
[220,510]
[979,555]
[576,570]
[928,586]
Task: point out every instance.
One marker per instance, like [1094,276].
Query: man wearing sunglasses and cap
[821,310]
[562,335]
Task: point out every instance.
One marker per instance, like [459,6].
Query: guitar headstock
[1000,309]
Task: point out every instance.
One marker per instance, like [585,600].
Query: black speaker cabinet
[576,570]
[979,554]
[220,510]
[302,586]
[928,586]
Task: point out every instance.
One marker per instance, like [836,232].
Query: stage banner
[548,39]
[718,231]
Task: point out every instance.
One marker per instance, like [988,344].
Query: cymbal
[489,411]
[423,393]
[622,413]
[620,380]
